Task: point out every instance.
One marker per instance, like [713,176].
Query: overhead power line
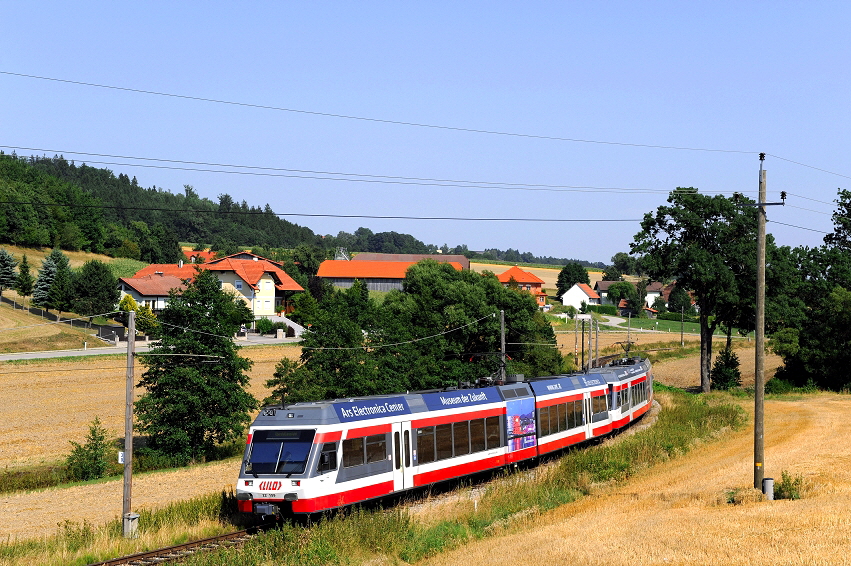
[416,124]
[374,120]
[358,177]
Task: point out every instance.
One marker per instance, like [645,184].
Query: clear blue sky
[756,76]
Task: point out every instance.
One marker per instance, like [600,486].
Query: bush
[264,325]
[788,487]
[778,386]
[675,316]
[603,309]
[725,372]
[91,460]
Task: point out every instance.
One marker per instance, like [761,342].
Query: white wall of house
[574,297]
[261,301]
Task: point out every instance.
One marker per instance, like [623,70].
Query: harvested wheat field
[678,512]
[47,403]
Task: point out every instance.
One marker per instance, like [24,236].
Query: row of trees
[91,290]
[708,244]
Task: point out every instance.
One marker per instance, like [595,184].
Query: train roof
[356,409]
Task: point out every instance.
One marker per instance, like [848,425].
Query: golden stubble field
[45,405]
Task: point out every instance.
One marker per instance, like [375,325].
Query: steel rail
[179,551]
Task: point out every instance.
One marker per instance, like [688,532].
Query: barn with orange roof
[378,275]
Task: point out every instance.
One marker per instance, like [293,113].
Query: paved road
[122,349]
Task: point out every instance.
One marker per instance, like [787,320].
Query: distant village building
[413,258]
[260,282]
[578,294]
[527,282]
[377,275]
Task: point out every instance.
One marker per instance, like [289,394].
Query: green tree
[624,263]
[680,301]
[624,290]
[146,320]
[127,304]
[612,274]
[61,295]
[570,275]
[725,371]
[95,288]
[195,395]
[90,461]
[8,277]
[709,244]
[441,329]
[25,281]
[46,275]
[841,235]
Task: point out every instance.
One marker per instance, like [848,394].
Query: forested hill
[104,213]
[186,216]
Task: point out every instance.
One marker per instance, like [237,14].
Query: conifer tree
[7,270]
[24,282]
[46,275]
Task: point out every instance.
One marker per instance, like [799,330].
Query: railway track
[180,551]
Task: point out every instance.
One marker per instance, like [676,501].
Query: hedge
[603,309]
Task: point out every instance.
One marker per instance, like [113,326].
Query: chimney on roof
[256,258]
[160,273]
[180,263]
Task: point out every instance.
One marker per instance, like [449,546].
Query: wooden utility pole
[502,346]
[759,362]
[129,523]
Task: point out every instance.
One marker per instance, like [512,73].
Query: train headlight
[296,483]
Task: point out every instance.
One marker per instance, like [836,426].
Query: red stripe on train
[523,454]
[369,431]
[456,417]
[332,436]
[559,400]
[561,443]
[434,476]
[343,498]
[606,428]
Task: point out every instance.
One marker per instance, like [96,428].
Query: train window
[328,457]
[443,441]
[397,449]
[279,451]
[544,421]
[425,445]
[492,429]
[407,449]
[561,418]
[461,438]
[376,448]
[353,452]
[477,435]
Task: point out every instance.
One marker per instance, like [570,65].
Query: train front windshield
[279,451]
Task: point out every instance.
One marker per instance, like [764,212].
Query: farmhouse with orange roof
[526,281]
[260,282]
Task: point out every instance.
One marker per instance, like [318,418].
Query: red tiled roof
[248,270]
[440,258]
[519,275]
[186,271]
[203,256]
[340,268]
[154,285]
[251,271]
[592,294]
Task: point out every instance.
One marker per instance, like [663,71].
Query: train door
[402,466]
[587,415]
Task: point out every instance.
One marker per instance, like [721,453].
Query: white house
[578,294]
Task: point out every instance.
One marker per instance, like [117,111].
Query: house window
[268,305]
[238,285]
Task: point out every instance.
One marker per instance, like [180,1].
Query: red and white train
[310,457]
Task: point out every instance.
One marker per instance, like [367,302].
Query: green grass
[125,267]
[393,536]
